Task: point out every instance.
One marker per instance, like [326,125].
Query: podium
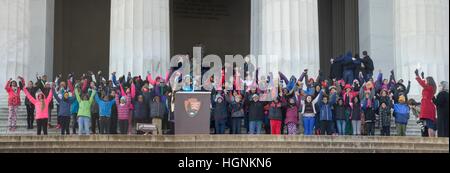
[192,113]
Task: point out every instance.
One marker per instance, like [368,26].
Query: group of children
[287,106]
[91,103]
[322,107]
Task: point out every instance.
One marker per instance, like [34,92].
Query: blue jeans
[255,127]
[236,125]
[341,126]
[84,123]
[220,126]
[308,124]
[356,124]
[348,76]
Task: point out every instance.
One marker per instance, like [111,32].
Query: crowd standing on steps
[350,101]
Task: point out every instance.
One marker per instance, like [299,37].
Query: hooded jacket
[40,113]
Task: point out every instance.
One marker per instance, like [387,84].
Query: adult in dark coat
[368,66]
[441,102]
[336,69]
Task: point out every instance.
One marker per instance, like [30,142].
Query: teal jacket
[104,106]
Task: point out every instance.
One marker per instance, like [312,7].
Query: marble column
[287,33]
[421,39]
[405,35]
[26,38]
[140,36]
[376,28]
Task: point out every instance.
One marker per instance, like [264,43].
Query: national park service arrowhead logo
[192,107]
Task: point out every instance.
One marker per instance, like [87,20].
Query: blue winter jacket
[401,113]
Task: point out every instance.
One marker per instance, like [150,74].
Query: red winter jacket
[428,109]
[13,97]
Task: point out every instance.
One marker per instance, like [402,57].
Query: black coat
[336,71]
[339,112]
[441,103]
[256,111]
[368,63]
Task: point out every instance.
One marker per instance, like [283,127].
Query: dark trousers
[123,126]
[30,116]
[113,124]
[74,123]
[49,116]
[386,131]
[58,118]
[105,123]
[42,126]
[95,123]
[220,126]
[370,128]
[368,76]
[236,125]
[65,124]
[326,127]
[348,76]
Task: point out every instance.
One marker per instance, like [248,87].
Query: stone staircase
[221,144]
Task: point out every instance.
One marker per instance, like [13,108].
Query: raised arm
[84,86]
[421,82]
[150,79]
[333,99]
[49,97]
[114,79]
[302,76]
[361,92]
[117,99]
[379,81]
[77,95]
[284,78]
[408,87]
[319,97]
[28,95]
[133,90]
[8,86]
[94,79]
[93,94]
[70,84]
[97,98]
[55,94]
[122,91]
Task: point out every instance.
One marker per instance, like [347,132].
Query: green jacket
[84,108]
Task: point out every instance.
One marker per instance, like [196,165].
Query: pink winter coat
[13,97]
[40,113]
[123,111]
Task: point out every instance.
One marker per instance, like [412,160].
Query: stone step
[221,144]
[216,150]
[236,138]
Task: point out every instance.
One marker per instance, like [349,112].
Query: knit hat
[347,86]
[218,97]
[401,99]
[341,82]
[332,87]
